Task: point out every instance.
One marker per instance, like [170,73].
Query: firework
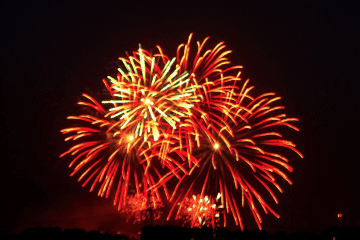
[199,211]
[106,154]
[135,122]
[150,98]
[192,115]
[232,139]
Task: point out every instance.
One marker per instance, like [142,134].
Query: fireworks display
[186,125]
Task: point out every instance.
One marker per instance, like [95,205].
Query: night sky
[307,52]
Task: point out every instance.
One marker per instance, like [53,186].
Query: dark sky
[307,52]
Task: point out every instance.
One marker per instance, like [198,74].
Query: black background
[52,51]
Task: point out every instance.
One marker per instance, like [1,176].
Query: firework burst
[107,154]
[192,115]
[241,155]
[121,135]
[231,138]
[199,211]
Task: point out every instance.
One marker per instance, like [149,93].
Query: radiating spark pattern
[108,156]
[231,139]
[242,160]
[150,98]
[188,124]
[199,212]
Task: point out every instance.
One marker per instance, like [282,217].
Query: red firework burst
[117,143]
[195,117]
[231,138]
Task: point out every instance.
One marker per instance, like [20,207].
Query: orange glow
[137,207]
[339,215]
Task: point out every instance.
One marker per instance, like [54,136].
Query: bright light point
[218,196]
[216,146]
[131,138]
[147,101]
